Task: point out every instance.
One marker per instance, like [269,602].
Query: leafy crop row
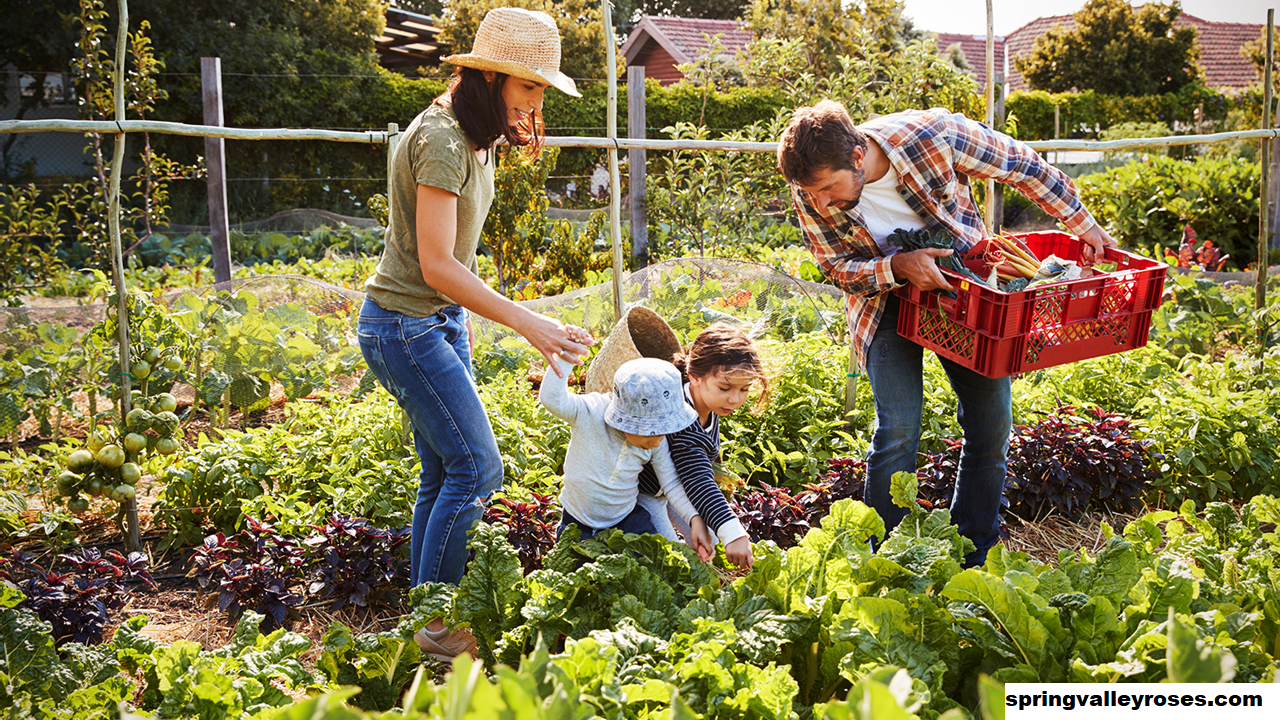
[1181,596]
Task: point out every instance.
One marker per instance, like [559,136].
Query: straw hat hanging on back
[640,333]
[521,43]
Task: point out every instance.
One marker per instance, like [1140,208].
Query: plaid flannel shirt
[935,153]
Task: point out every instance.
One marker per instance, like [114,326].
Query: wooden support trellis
[121,128]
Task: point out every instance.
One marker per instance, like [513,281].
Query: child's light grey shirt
[602,469]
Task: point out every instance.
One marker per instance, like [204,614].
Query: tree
[626,13]
[422,7]
[301,63]
[954,54]
[579,21]
[831,28]
[1256,52]
[1115,50]
[47,51]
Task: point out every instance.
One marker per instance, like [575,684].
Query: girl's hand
[739,552]
[555,340]
[700,539]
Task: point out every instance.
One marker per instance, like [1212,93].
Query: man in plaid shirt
[850,194]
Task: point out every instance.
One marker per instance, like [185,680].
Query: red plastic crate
[999,334]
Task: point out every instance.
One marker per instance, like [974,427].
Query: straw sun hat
[640,333]
[521,43]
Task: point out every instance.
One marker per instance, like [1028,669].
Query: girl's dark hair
[482,113]
[723,348]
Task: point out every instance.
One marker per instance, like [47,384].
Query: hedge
[1085,114]
[395,98]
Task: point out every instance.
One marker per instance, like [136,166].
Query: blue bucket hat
[648,399]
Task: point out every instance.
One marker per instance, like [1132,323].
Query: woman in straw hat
[415,330]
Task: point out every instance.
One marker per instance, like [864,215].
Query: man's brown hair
[821,137]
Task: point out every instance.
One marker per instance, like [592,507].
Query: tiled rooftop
[975,52]
[1220,43]
[688,36]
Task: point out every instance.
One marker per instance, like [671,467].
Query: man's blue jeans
[985,411]
[425,363]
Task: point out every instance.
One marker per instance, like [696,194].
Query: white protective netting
[291,335]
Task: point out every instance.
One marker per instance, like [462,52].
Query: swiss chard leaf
[492,590]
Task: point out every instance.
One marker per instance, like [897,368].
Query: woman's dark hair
[482,113]
[724,349]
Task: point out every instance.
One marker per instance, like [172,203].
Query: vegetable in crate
[920,239]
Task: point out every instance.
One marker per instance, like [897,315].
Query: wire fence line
[382,137]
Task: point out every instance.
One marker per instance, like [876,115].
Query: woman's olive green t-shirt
[433,151]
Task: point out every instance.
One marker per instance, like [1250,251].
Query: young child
[613,435]
[721,364]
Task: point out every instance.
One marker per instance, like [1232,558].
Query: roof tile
[1224,67]
[689,35]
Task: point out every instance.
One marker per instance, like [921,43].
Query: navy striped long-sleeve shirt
[693,450]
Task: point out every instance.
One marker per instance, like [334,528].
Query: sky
[970,16]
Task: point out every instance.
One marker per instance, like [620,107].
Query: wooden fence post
[132,531]
[611,133]
[989,82]
[1260,285]
[997,205]
[636,161]
[219,230]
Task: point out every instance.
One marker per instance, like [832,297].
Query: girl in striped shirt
[720,368]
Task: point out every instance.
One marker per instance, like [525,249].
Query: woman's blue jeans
[984,409]
[425,363]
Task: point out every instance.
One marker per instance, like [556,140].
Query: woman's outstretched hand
[555,340]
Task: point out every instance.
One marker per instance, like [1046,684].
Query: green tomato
[94,488]
[66,483]
[78,504]
[166,446]
[138,419]
[135,442]
[96,440]
[130,473]
[165,423]
[165,402]
[124,493]
[172,362]
[111,457]
[141,370]
[151,355]
[80,461]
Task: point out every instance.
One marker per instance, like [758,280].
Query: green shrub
[1084,114]
[1149,201]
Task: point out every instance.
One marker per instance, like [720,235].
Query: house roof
[685,38]
[1220,43]
[1021,41]
[975,52]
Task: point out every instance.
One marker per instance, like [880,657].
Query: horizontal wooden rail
[111,127]
[376,137]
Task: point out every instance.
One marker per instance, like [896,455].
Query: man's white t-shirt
[883,211]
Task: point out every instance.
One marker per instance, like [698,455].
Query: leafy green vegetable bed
[626,626]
